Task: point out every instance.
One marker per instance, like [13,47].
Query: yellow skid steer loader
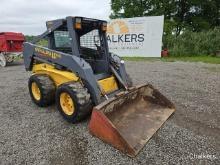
[77,71]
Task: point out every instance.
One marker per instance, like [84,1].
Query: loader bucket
[128,120]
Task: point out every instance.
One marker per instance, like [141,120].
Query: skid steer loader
[78,72]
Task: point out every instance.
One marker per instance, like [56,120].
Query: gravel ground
[33,135]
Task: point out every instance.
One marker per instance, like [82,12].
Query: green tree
[29,38]
[180,15]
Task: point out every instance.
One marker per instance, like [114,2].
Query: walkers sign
[141,36]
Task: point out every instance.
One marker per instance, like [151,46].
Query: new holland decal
[47,53]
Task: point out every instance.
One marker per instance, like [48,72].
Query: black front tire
[81,99]
[46,87]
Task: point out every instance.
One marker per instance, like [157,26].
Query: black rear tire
[81,99]
[46,87]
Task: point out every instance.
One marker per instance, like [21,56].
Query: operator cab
[85,38]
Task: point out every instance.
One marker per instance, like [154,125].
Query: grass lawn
[205,59]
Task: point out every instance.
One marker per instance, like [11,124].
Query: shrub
[194,43]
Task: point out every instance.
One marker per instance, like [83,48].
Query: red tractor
[11,47]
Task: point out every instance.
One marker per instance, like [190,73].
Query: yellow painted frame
[58,76]
[109,84]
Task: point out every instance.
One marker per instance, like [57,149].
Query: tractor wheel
[42,90]
[73,101]
[129,81]
[9,59]
[3,61]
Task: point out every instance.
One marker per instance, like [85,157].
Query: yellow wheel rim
[35,91]
[66,103]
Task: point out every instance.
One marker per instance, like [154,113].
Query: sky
[30,16]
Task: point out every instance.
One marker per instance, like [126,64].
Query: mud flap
[130,119]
